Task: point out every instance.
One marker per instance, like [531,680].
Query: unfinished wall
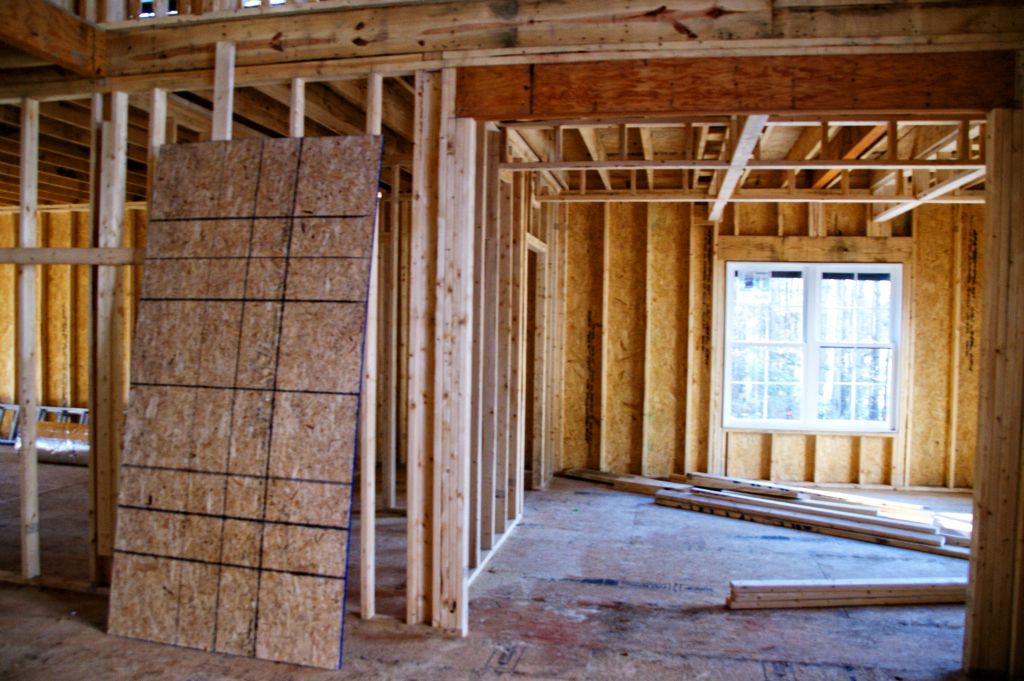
[648,394]
[64,301]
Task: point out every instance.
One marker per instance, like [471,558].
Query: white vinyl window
[811,346]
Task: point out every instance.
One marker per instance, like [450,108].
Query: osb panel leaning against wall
[236,477]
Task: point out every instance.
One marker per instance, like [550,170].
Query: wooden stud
[453,378]
[368,398]
[297,108]
[492,375]
[994,637]
[27,357]
[503,428]
[109,357]
[423,248]
[223,91]
[157,133]
[390,311]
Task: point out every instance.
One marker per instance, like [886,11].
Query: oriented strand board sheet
[584,269]
[668,264]
[934,281]
[236,475]
[624,321]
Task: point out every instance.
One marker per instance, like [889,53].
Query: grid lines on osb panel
[236,476]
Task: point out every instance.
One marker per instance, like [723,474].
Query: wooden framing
[109,362]
[368,398]
[763,67]
[738,85]
[55,35]
[423,249]
[27,398]
[224,91]
[992,641]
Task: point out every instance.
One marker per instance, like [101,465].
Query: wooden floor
[594,584]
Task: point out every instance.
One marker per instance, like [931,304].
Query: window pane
[873,365]
[855,307]
[871,403]
[834,401]
[785,366]
[749,363]
[767,305]
[784,402]
[747,401]
[835,365]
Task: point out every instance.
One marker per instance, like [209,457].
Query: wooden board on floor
[818,593]
[236,478]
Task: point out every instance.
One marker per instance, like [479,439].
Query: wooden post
[453,377]
[477,397]
[157,133]
[368,399]
[223,91]
[491,335]
[297,110]
[27,314]
[506,314]
[994,636]
[107,385]
[422,274]
[389,309]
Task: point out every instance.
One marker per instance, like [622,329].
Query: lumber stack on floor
[637,484]
[236,478]
[750,594]
[837,514]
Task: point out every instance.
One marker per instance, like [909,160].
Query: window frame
[812,344]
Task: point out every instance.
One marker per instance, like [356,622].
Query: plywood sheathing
[237,469]
[623,352]
[667,290]
[943,257]
[583,272]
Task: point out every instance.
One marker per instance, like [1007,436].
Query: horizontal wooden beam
[863,196]
[963,82]
[815,249]
[939,190]
[777,164]
[54,35]
[71,256]
[328,40]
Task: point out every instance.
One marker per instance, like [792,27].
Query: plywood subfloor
[594,584]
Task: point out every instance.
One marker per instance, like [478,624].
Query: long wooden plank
[805,602]
[106,404]
[71,256]
[454,383]
[27,352]
[422,274]
[54,35]
[806,523]
[993,640]
[799,507]
[368,398]
[917,82]
[740,485]
[414,29]
[491,335]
